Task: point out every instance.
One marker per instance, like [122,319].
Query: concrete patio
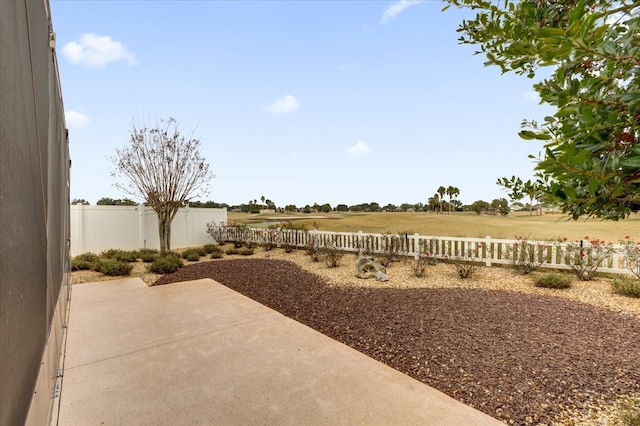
[199,353]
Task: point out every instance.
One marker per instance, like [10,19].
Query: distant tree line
[444,200]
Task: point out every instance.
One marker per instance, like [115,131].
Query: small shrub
[81,265]
[419,266]
[217,231]
[553,280]
[626,286]
[126,256]
[288,248]
[231,251]
[331,255]
[246,252]
[630,411]
[190,254]
[271,237]
[464,268]
[631,255]
[525,257]
[87,257]
[110,253]
[211,248]
[464,261]
[148,255]
[166,263]
[585,257]
[113,267]
[217,255]
[394,247]
[313,250]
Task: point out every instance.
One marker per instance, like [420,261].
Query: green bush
[87,257]
[110,253]
[148,257]
[554,280]
[217,255]
[231,251]
[211,248]
[192,255]
[626,286]
[127,256]
[113,267]
[166,263]
[246,252]
[81,265]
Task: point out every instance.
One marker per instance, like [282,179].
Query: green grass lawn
[460,224]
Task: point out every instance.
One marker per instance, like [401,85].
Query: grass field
[457,224]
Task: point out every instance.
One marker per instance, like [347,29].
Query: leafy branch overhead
[163,168]
[592,152]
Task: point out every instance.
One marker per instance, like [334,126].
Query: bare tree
[163,168]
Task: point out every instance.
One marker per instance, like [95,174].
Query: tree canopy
[591,156]
[163,168]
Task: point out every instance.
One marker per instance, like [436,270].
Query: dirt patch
[520,357]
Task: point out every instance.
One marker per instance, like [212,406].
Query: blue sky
[299,101]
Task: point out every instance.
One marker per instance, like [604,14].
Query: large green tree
[592,50]
[164,168]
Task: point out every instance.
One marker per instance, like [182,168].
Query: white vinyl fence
[98,228]
[488,251]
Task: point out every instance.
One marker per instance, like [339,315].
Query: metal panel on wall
[33,210]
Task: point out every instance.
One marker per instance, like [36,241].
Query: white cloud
[94,51]
[76,119]
[360,148]
[396,8]
[284,105]
[532,96]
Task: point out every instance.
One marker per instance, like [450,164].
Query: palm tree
[441,191]
[433,202]
[452,192]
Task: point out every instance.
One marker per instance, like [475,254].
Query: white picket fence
[98,228]
[487,250]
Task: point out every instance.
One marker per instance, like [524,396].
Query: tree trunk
[164,229]
[531,206]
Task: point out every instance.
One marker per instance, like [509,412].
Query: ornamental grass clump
[553,280]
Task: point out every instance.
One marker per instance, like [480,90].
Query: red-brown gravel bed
[518,357]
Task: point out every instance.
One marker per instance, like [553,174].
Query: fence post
[416,246]
[488,250]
